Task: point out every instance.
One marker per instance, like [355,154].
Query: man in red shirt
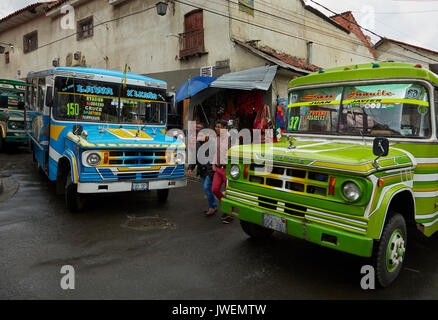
[219,163]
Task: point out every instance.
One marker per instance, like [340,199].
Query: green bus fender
[378,218]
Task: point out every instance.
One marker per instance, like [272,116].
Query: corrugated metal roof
[257,78]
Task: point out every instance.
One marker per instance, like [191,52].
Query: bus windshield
[108,102]
[394,110]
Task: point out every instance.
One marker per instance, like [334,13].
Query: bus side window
[436,111]
[41,95]
[27,97]
[34,94]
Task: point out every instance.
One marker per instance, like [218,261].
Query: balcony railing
[192,43]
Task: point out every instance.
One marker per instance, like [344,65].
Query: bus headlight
[13,125]
[179,158]
[351,191]
[93,159]
[234,171]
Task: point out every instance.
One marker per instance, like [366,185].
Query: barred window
[85,28]
[30,42]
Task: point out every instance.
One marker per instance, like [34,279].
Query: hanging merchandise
[250,103]
[263,119]
[279,123]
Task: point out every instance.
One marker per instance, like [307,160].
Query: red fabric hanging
[250,103]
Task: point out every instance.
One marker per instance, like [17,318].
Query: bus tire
[390,251]
[73,200]
[36,164]
[255,231]
[1,142]
[162,195]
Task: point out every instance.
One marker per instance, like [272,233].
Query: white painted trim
[430,223]
[243,200]
[427,194]
[427,160]
[335,223]
[242,194]
[337,217]
[426,216]
[426,177]
[386,211]
[54,154]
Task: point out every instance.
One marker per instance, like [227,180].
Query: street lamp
[161,8]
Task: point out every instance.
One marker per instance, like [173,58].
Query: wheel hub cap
[395,252]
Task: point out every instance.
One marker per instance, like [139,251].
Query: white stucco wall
[123,36]
[400,53]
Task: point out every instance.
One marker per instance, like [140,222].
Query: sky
[411,21]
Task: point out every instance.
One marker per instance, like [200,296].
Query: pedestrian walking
[206,173]
[219,164]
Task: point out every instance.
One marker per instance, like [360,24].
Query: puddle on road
[10,187]
[148,223]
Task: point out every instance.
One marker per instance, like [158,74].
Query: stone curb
[1,186]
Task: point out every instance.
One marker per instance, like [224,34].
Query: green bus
[12,128]
[357,165]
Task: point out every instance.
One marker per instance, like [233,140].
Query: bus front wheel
[73,200]
[162,194]
[390,251]
[255,231]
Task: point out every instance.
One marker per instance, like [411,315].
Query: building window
[85,28]
[247,6]
[192,40]
[30,42]
[7,57]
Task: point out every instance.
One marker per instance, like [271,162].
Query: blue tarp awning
[192,87]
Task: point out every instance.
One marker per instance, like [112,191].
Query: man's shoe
[224,216]
[228,220]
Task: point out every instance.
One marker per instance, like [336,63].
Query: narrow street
[126,246]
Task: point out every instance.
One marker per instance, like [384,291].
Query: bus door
[37,116]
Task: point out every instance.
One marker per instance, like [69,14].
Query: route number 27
[72,109]
[294,122]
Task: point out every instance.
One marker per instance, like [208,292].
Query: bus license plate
[273,222]
[136,186]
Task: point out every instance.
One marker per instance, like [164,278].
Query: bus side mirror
[4,101]
[49,97]
[381,147]
[77,129]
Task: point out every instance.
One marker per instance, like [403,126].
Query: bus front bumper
[311,231]
[18,137]
[126,186]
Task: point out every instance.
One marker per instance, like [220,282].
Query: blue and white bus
[101,131]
